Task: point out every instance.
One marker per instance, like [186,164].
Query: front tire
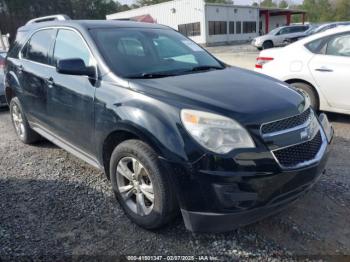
[141,185]
[267,45]
[20,123]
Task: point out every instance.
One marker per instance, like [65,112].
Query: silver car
[277,36]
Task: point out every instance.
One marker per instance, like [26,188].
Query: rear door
[331,70]
[70,97]
[281,36]
[33,71]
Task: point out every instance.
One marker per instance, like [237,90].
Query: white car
[278,36]
[318,65]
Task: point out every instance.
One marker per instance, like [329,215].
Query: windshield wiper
[206,68]
[153,75]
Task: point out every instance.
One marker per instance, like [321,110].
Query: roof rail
[48,18]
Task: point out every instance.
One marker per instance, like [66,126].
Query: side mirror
[75,66]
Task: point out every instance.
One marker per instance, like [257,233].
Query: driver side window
[70,45]
[284,31]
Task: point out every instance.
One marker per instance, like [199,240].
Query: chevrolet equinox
[172,127]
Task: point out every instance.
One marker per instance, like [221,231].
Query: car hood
[247,96]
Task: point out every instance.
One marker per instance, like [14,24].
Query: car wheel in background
[309,93]
[267,45]
[141,185]
[20,123]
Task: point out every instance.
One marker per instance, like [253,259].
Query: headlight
[214,132]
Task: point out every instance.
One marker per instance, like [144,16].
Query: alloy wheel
[135,186]
[18,121]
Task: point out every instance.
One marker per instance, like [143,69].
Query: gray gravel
[54,206]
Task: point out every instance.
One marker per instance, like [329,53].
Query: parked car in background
[2,86]
[318,65]
[314,29]
[277,36]
[172,127]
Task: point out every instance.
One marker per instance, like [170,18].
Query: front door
[71,98]
[330,70]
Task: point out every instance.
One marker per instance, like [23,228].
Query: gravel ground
[54,206]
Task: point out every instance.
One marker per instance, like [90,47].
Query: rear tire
[24,132]
[309,93]
[141,185]
[267,45]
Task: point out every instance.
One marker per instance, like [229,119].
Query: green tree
[342,10]
[319,10]
[268,3]
[15,13]
[283,4]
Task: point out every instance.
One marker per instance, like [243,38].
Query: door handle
[50,82]
[323,69]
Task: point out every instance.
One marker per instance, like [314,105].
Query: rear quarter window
[16,46]
[317,46]
[37,48]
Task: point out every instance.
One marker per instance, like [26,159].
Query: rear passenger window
[37,48]
[69,45]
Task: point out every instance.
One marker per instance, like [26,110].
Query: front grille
[294,155]
[287,123]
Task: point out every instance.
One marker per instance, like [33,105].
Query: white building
[210,24]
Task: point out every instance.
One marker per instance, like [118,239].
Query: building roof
[278,11]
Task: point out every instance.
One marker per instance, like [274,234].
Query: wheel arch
[11,85]
[297,80]
[123,133]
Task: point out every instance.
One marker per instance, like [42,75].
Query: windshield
[274,31]
[150,53]
[313,29]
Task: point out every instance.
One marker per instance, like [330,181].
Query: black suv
[172,127]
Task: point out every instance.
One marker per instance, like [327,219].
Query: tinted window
[70,44]
[232,27]
[238,27]
[217,27]
[37,49]
[316,46]
[285,31]
[339,46]
[192,29]
[249,27]
[153,51]
[298,29]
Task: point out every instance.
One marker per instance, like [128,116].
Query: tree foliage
[268,3]
[283,4]
[14,13]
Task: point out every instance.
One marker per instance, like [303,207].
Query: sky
[238,2]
